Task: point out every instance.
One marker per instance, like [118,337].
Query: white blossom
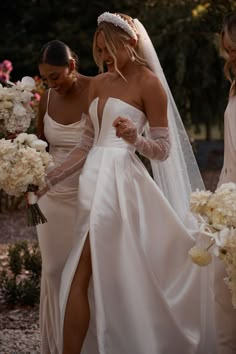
[39,145]
[200,256]
[16,112]
[198,201]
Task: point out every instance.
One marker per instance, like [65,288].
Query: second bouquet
[216,213]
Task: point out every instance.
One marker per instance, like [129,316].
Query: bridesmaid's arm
[75,159]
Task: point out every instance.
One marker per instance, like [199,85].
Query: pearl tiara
[118,21]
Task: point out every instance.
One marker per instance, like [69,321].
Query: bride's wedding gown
[146,295]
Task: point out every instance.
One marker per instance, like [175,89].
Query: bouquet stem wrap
[34,214]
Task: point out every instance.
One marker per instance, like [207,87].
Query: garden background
[186,37]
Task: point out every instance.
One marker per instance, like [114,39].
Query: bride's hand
[125,129]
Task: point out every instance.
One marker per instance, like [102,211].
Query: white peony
[25,139]
[6,104]
[19,110]
[39,145]
[26,83]
[16,112]
[198,201]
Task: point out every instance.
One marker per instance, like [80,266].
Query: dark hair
[56,53]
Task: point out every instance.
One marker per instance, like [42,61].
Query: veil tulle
[179,175]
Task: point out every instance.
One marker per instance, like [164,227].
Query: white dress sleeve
[76,158]
[156,145]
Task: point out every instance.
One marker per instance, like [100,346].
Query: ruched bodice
[62,139]
[113,108]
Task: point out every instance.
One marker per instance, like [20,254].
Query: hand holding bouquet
[24,163]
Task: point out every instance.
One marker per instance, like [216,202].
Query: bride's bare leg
[77,313]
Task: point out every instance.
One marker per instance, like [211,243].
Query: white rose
[6,104]
[39,145]
[19,109]
[200,256]
[26,83]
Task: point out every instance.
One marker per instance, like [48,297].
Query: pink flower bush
[5,70]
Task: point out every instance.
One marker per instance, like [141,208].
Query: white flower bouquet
[216,213]
[24,163]
[16,112]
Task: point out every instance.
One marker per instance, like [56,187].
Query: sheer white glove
[155,146]
[75,159]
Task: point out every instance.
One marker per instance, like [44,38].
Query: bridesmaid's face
[56,77]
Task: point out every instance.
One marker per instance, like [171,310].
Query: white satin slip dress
[56,236]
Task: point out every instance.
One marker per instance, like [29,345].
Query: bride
[128,286]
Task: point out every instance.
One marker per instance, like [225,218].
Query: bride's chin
[110,68]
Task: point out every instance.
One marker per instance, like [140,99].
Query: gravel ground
[19,331]
[19,327]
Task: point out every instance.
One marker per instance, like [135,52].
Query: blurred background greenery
[184,33]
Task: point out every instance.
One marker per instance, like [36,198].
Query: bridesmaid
[59,122]
[225,314]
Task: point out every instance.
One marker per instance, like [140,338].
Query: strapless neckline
[96,99]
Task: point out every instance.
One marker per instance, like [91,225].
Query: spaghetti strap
[49,91]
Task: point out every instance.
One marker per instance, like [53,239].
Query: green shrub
[20,281]
[10,203]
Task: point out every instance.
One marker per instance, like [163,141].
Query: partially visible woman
[225,314]
[59,123]
[228,49]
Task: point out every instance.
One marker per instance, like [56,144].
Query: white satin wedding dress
[146,295]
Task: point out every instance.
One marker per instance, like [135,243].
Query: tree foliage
[186,37]
[184,33]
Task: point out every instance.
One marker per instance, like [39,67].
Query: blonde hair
[115,36]
[228,35]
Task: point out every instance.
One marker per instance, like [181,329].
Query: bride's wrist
[137,140]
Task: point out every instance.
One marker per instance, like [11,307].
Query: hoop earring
[73,76]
